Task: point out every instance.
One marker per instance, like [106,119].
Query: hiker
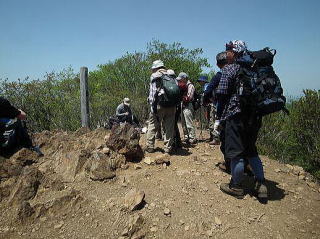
[162,106]
[208,105]
[241,128]
[187,116]
[123,111]
[13,133]
[209,95]
[177,144]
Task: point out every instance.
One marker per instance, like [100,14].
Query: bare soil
[182,198]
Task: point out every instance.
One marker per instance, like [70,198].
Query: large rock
[68,165]
[133,229]
[27,186]
[133,199]
[25,211]
[124,139]
[9,168]
[101,166]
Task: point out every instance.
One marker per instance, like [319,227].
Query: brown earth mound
[93,184]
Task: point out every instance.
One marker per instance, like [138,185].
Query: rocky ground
[97,184]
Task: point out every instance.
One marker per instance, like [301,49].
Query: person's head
[238,47]
[156,65]
[126,101]
[222,59]
[171,72]
[183,77]
[203,80]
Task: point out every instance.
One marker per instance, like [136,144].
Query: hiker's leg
[151,133]
[189,118]
[169,127]
[23,137]
[237,170]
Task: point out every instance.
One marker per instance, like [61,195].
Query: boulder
[25,157]
[124,139]
[133,199]
[27,185]
[68,165]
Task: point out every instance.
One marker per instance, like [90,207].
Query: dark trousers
[240,136]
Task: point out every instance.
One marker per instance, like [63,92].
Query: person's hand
[126,113]
[22,115]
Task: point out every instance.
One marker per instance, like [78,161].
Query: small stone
[289,166]
[106,150]
[167,212]
[87,215]
[59,225]
[309,220]
[209,233]
[148,160]
[311,184]
[164,165]
[217,221]
[137,166]
[194,158]
[302,177]
[133,199]
[277,170]
[181,222]
[186,228]
[43,219]
[153,229]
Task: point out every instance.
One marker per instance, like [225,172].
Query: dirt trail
[182,200]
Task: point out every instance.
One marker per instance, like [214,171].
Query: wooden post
[84,93]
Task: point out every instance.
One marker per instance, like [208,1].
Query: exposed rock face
[133,230]
[124,139]
[27,185]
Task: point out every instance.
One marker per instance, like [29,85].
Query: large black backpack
[169,92]
[258,85]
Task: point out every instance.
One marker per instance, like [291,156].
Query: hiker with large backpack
[252,90]
[163,98]
[188,111]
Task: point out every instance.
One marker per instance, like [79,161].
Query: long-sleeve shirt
[153,85]
[7,110]
[190,92]
[212,85]
[226,91]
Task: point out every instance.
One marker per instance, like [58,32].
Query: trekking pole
[200,136]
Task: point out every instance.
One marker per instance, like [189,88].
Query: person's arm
[190,94]
[9,111]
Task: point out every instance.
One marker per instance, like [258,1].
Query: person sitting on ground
[241,130]
[13,133]
[123,112]
[188,112]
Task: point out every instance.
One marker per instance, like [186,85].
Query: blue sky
[39,36]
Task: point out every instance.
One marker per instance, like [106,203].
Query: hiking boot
[261,190]
[233,190]
[224,168]
[150,150]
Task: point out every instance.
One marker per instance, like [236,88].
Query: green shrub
[295,138]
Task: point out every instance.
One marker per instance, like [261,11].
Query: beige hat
[157,64]
[126,101]
[171,72]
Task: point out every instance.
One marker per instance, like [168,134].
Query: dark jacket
[7,110]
